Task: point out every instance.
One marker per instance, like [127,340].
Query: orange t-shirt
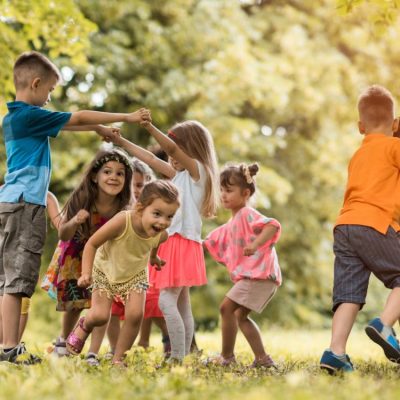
[372,195]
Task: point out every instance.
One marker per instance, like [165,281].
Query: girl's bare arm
[110,230]
[173,150]
[146,156]
[53,210]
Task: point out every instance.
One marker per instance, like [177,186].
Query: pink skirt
[184,266]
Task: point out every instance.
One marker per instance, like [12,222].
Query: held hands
[108,133]
[157,263]
[250,249]
[81,217]
[142,116]
[85,280]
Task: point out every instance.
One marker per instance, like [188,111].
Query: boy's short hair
[31,65]
[376,106]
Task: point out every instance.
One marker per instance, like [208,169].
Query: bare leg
[391,311]
[194,348]
[160,322]
[145,331]
[96,338]
[23,320]
[229,327]
[251,332]
[98,315]
[342,323]
[69,320]
[113,332]
[134,309]
[11,310]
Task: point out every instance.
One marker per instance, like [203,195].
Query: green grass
[298,376]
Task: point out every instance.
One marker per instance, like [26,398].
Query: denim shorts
[22,237]
[360,250]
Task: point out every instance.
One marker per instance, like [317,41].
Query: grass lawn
[298,376]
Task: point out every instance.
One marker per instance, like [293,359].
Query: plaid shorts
[360,250]
[22,236]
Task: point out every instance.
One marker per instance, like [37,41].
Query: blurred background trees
[275,81]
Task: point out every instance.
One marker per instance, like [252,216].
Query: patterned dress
[65,269]
[226,243]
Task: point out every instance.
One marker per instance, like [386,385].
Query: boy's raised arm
[106,132]
[88,118]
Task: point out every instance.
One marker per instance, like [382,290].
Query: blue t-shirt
[26,130]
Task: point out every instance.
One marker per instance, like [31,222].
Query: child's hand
[157,263]
[108,133]
[142,116]
[250,249]
[81,216]
[85,280]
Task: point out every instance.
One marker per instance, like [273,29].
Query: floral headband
[246,173]
[112,157]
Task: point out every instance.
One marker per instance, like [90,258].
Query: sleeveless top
[126,256]
[187,220]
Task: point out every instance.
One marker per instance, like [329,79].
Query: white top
[187,220]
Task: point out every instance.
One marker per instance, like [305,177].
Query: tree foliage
[275,81]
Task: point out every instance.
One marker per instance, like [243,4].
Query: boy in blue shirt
[27,128]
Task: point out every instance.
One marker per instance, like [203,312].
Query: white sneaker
[92,360]
[60,348]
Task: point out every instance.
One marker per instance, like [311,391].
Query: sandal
[74,343]
[264,362]
[119,364]
[220,361]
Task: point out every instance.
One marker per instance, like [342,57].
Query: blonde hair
[376,106]
[241,175]
[31,65]
[196,141]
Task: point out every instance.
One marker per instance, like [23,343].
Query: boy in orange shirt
[366,234]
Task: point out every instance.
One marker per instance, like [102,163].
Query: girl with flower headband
[245,244]
[105,189]
[193,168]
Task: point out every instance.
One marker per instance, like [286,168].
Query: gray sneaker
[92,360]
[19,355]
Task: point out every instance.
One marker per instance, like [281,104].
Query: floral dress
[61,278]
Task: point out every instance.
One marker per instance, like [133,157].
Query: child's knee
[225,309]
[241,315]
[98,318]
[134,318]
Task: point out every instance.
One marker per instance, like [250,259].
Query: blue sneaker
[386,338]
[331,363]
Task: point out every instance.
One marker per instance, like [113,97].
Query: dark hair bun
[253,169]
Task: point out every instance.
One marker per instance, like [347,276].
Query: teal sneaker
[385,337]
[332,363]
